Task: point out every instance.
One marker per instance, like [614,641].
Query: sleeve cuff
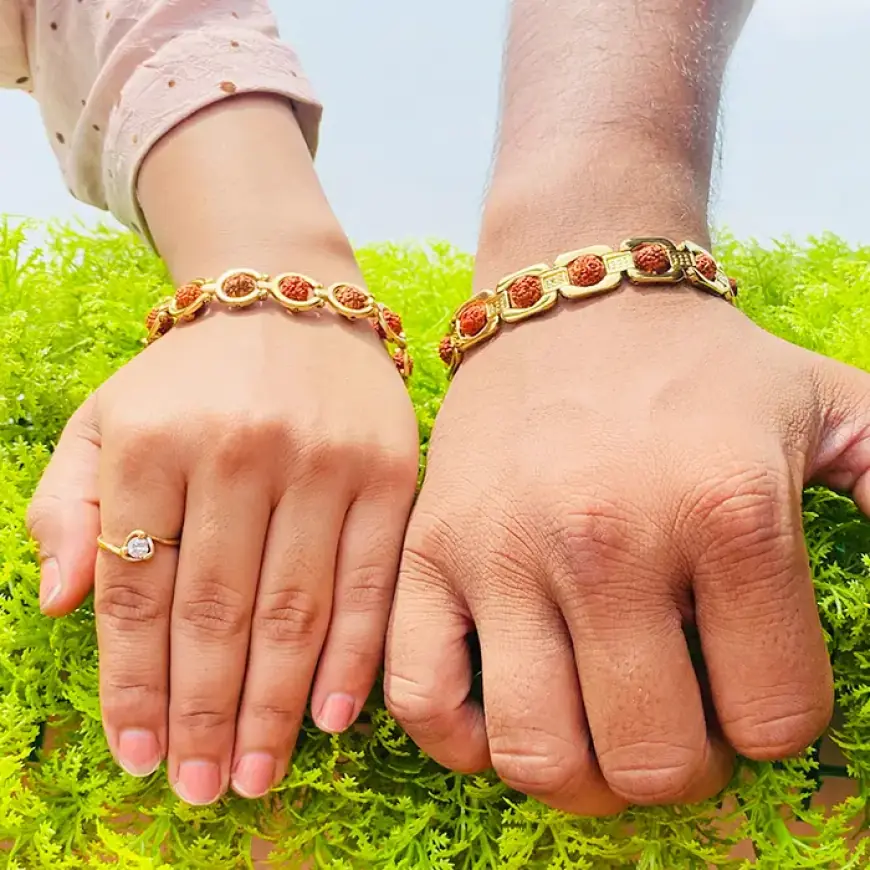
[186,75]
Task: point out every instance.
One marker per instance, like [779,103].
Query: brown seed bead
[403,362]
[187,294]
[393,321]
[295,288]
[159,317]
[587,270]
[351,297]
[525,291]
[472,319]
[445,350]
[706,265]
[239,285]
[652,259]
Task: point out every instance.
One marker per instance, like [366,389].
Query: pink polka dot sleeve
[113,76]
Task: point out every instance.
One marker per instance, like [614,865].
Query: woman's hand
[283,451]
[599,478]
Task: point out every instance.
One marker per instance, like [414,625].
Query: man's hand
[599,478]
[611,476]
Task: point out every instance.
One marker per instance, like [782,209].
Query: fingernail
[138,752]
[199,782]
[49,584]
[254,774]
[336,713]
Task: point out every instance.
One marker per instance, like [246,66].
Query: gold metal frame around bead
[315,300]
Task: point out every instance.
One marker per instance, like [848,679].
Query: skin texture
[616,475]
[286,447]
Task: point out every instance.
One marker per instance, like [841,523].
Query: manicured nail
[254,774]
[199,782]
[49,585]
[336,713]
[138,752]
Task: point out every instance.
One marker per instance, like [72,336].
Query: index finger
[428,676]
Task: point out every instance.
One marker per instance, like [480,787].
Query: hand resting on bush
[581,505]
[283,451]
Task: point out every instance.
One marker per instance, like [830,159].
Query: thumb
[841,458]
[64,515]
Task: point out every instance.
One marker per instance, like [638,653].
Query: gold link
[618,262]
[498,302]
[673,275]
[555,279]
[491,307]
[314,300]
[503,305]
[683,259]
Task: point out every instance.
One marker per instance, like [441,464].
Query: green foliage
[70,305]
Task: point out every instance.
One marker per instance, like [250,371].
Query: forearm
[234,186]
[608,123]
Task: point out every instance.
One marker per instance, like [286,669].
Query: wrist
[234,186]
[589,198]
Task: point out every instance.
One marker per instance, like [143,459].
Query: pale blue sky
[411,94]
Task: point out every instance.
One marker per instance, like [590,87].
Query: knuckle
[594,530]
[395,469]
[241,447]
[40,514]
[123,698]
[324,455]
[538,767]
[136,445]
[212,610]
[748,531]
[771,730]
[409,702]
[651,773]
[514,551]
[279,715]
[745,506]
[429,549]
[127,605]
[359,656]
[201,716]
[368,589]
[290,617]
[596,537]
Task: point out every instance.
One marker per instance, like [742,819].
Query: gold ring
[138,546]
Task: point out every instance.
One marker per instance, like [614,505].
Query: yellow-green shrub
[70,313]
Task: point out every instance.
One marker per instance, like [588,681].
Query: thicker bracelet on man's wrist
[294,292]
[577,275]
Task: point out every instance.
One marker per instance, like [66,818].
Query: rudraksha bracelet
[241,288]
[577,275]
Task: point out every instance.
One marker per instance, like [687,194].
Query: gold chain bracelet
[241,288]
[577,275]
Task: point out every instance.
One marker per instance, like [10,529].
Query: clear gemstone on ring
[140,548]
